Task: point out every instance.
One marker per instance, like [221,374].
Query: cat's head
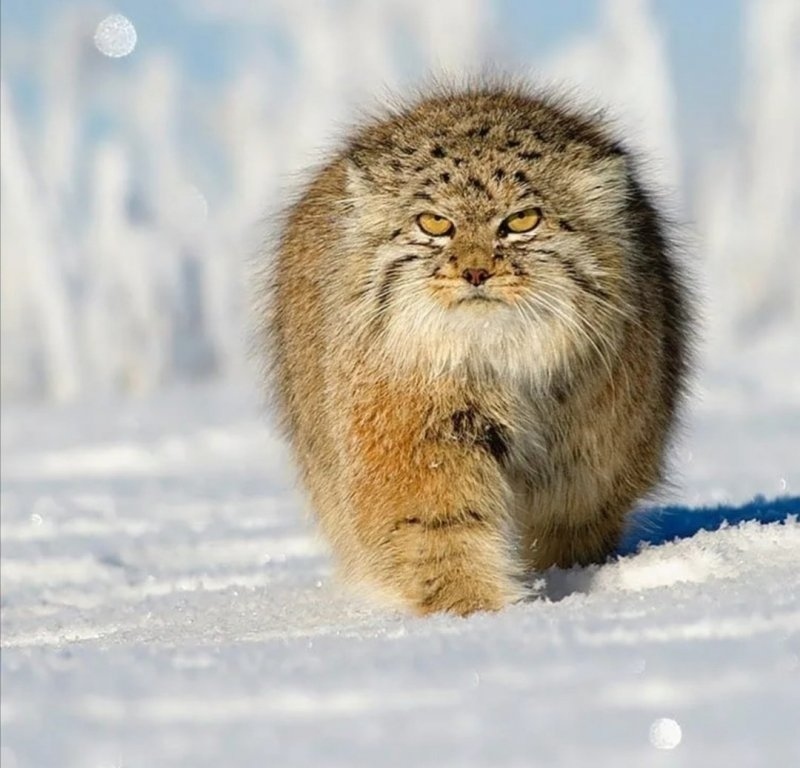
[488,228]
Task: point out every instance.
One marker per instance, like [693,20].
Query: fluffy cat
[476,335]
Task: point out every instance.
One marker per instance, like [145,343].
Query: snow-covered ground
[166,604]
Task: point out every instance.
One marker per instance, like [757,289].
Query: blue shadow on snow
[662,524]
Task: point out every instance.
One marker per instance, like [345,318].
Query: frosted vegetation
[131,204]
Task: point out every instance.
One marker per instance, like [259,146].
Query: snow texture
[165,603]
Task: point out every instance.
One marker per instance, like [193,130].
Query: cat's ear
[357,183]
[603,186]
[359,179]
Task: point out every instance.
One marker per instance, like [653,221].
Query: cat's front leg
[429,505]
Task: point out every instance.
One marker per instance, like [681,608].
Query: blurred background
[144,140]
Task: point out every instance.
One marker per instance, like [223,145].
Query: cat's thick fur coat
[453,436]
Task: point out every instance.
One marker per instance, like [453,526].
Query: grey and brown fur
[454,437]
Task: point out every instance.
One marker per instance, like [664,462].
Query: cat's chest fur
[509,420]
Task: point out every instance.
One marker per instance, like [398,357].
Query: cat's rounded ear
[357,183]
[603,186]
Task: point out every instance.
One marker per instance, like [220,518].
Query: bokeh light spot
[665,733]
[115,36]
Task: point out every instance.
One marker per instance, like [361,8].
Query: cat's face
[493,236]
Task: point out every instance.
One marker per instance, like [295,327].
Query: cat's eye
[522,221]
[436,226]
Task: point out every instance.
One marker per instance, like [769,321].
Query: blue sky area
[703,39]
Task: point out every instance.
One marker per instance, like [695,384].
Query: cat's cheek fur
[442,342]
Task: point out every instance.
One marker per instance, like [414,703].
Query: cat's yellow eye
[522,221]
[436,226]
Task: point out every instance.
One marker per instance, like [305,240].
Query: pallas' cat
[476,334]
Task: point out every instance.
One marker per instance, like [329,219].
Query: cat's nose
[476,276]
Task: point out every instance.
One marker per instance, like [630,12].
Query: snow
[165,602]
